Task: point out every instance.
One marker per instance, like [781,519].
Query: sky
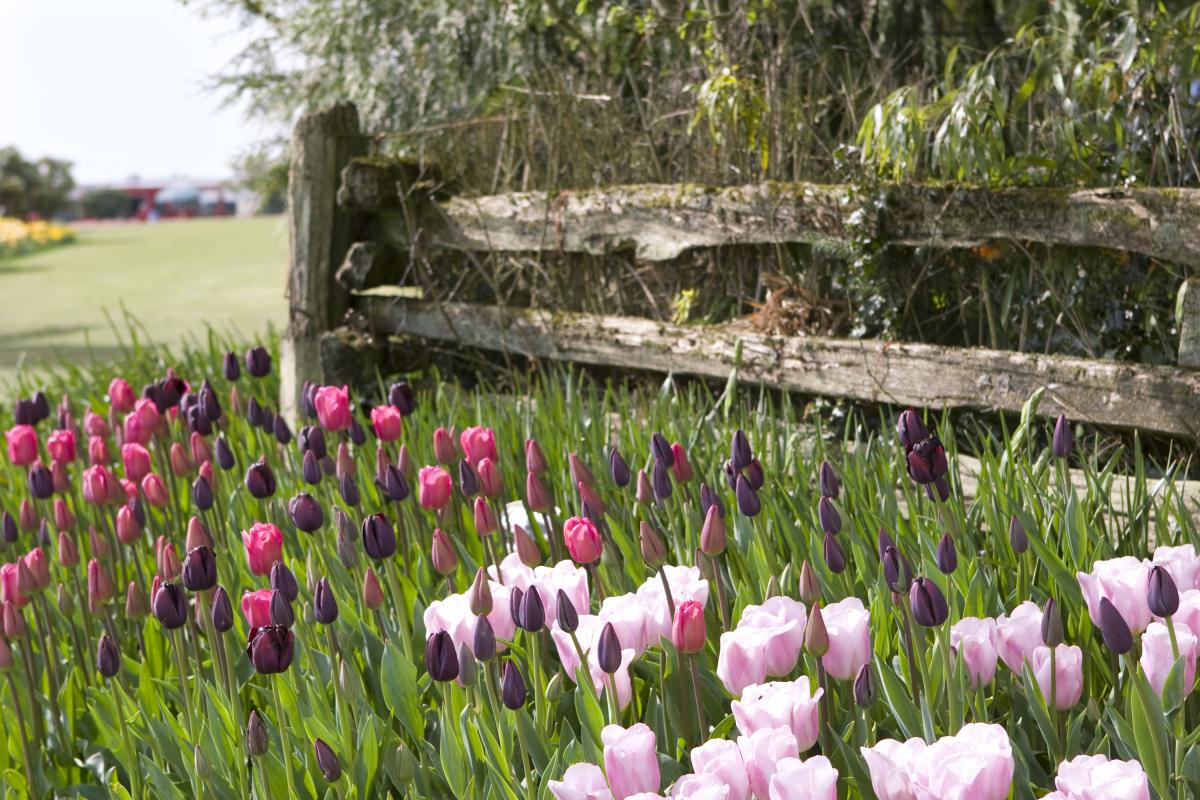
[117,88]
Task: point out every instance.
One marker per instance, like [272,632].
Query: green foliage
[106,204]
[41,188]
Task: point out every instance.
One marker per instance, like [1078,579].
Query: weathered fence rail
[396,208]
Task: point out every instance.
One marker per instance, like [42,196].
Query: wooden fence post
[319,233]
[1189,325]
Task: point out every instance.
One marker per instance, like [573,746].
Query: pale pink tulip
[761,753]
[791,704]
[1068,672]
[1158,657]
[581,782]
[888,762]
[1123,582]
[1182,563]
[812,779]
[849,626]
[784,619]
[1097,778]
[1019,634]
[975,641]
[975,764]
[630,760]
[721,760]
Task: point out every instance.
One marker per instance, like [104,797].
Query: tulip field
[562,589]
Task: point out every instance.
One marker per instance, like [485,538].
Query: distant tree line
[38,188]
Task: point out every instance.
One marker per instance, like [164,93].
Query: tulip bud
[258,362]
[654,551]
[280,609]
[41,482]
[533,612]
[688,630]
[260,480]
[828,482]
[271,649]
[911,429]
[947,555]
[441,660]
[202,493]
[568,615]
[739,451]
[349,490]
[864,687]
[222,610]
[68,553]
[327,761]
[14,621]
[1052,624]
[810,587]
[283,434]
[747,498]
[325,607]
[467,666]
[660,482]
[444,559]
[608,652]
[618,470]
[1162,594]
[168,560]
[379,538]
[357,435]
[346,550]
[527,548]
[6,657]
[197,535]
[835,557]
[535,460]
[8,528]
[710,498]
[831,521]
[372,593]
[443,446]
[1063,441]
[536,495]
[200,569]
[816,636]
[108,657]
[169,606]
[515,600]
[284,580]
[310,469]
[897,572]
[485,519]
[256,735]
[1016,535]
[395,484]
[28,515]
[484,639]
[590,499]
[98,545]
[306,512]
[644,492]
[1113,628]
[225,459]
[712,533]
[579,471]
[490,484]
[512,686]
[64,520]
[928,604]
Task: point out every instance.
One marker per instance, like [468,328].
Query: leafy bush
[106,204]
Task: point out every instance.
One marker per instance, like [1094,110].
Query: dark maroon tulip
[349,490]
[202,493]
[283,434]
[947,555]
[270,649]
[468,480]
[401,397]
[24,412]
[864,687]
[708,497]
[1016,535]
[660,448]
[256,735]
[308,399]
[484,641]
[568,615]
[747,498]
[395,484]
[268,420]
[210,405]
[1052,624]
[731,474]
[835,557]
[608,651]
[310,469]
[661,481]
[739,451]
[41,482]
[533,612]
[516,600]
[306,512]
[928,603]
[927,460]
[254,412]
[325,607]
[618,470]
[939,490]
[282,579]
[441,661]
[200,569]
[8,528]
[347,552]
[754,474]
[828,482]
[258,362]
[911,429]
[197,420]
[108,657]
[233,370]
[1113,628]
[831,521]
[312,439]
[1162,593]
[379,539]
[280,610]
[1063,441]
[327,761]
[225,459]
[260,480]
[357,435]
[222,610]
[139,511]
[512,686]
[169,606]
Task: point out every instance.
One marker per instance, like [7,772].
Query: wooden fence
[347,210]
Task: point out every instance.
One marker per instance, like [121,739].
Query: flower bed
[575,593]
[18,237]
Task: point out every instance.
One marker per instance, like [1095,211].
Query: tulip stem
[530,787]
[722,601]
[177,646]
[1060,745]
[535,660]
[26,755]
[135,778]
[824,723]
[914,670]
[662,573]
[283,741]
[952,698]
[262,783]
[51,671]
[39,731]
[701,727]
[398,598]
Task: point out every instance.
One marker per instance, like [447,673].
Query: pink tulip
[64,520]
[98,451]
[783,620]
[581,782]
[120,394]
[811,779]
[1123,582]
[155,490]
[443,446]
[704,787]
[386,421]
[582,540]
[10,588]
[256,608]
[975,641]
[264,546]
[148,414]
[849,626]
[790,704]
[628,618]
[1158,657]
[977,763]
[1188,614]
[485,518]
[588,635]
[61,446]
[722,760]
[98,485]
[630,759]
[686,584]
[128,527]
[22,445]
[682,467]
[688,632]
[99,586]
[1097,778]
[1018,635]
[537,497]
[572,580]
[1182,563]
[180,465]
[434,486]
[128,487]
[478,443]
[136,460]
[888,762]
[94,424]
[333,408]
[1068,671]
[761,753]
[740,662]
[490,484]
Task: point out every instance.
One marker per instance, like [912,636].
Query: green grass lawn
[174,278]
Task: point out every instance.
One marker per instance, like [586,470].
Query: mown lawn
[174,278]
